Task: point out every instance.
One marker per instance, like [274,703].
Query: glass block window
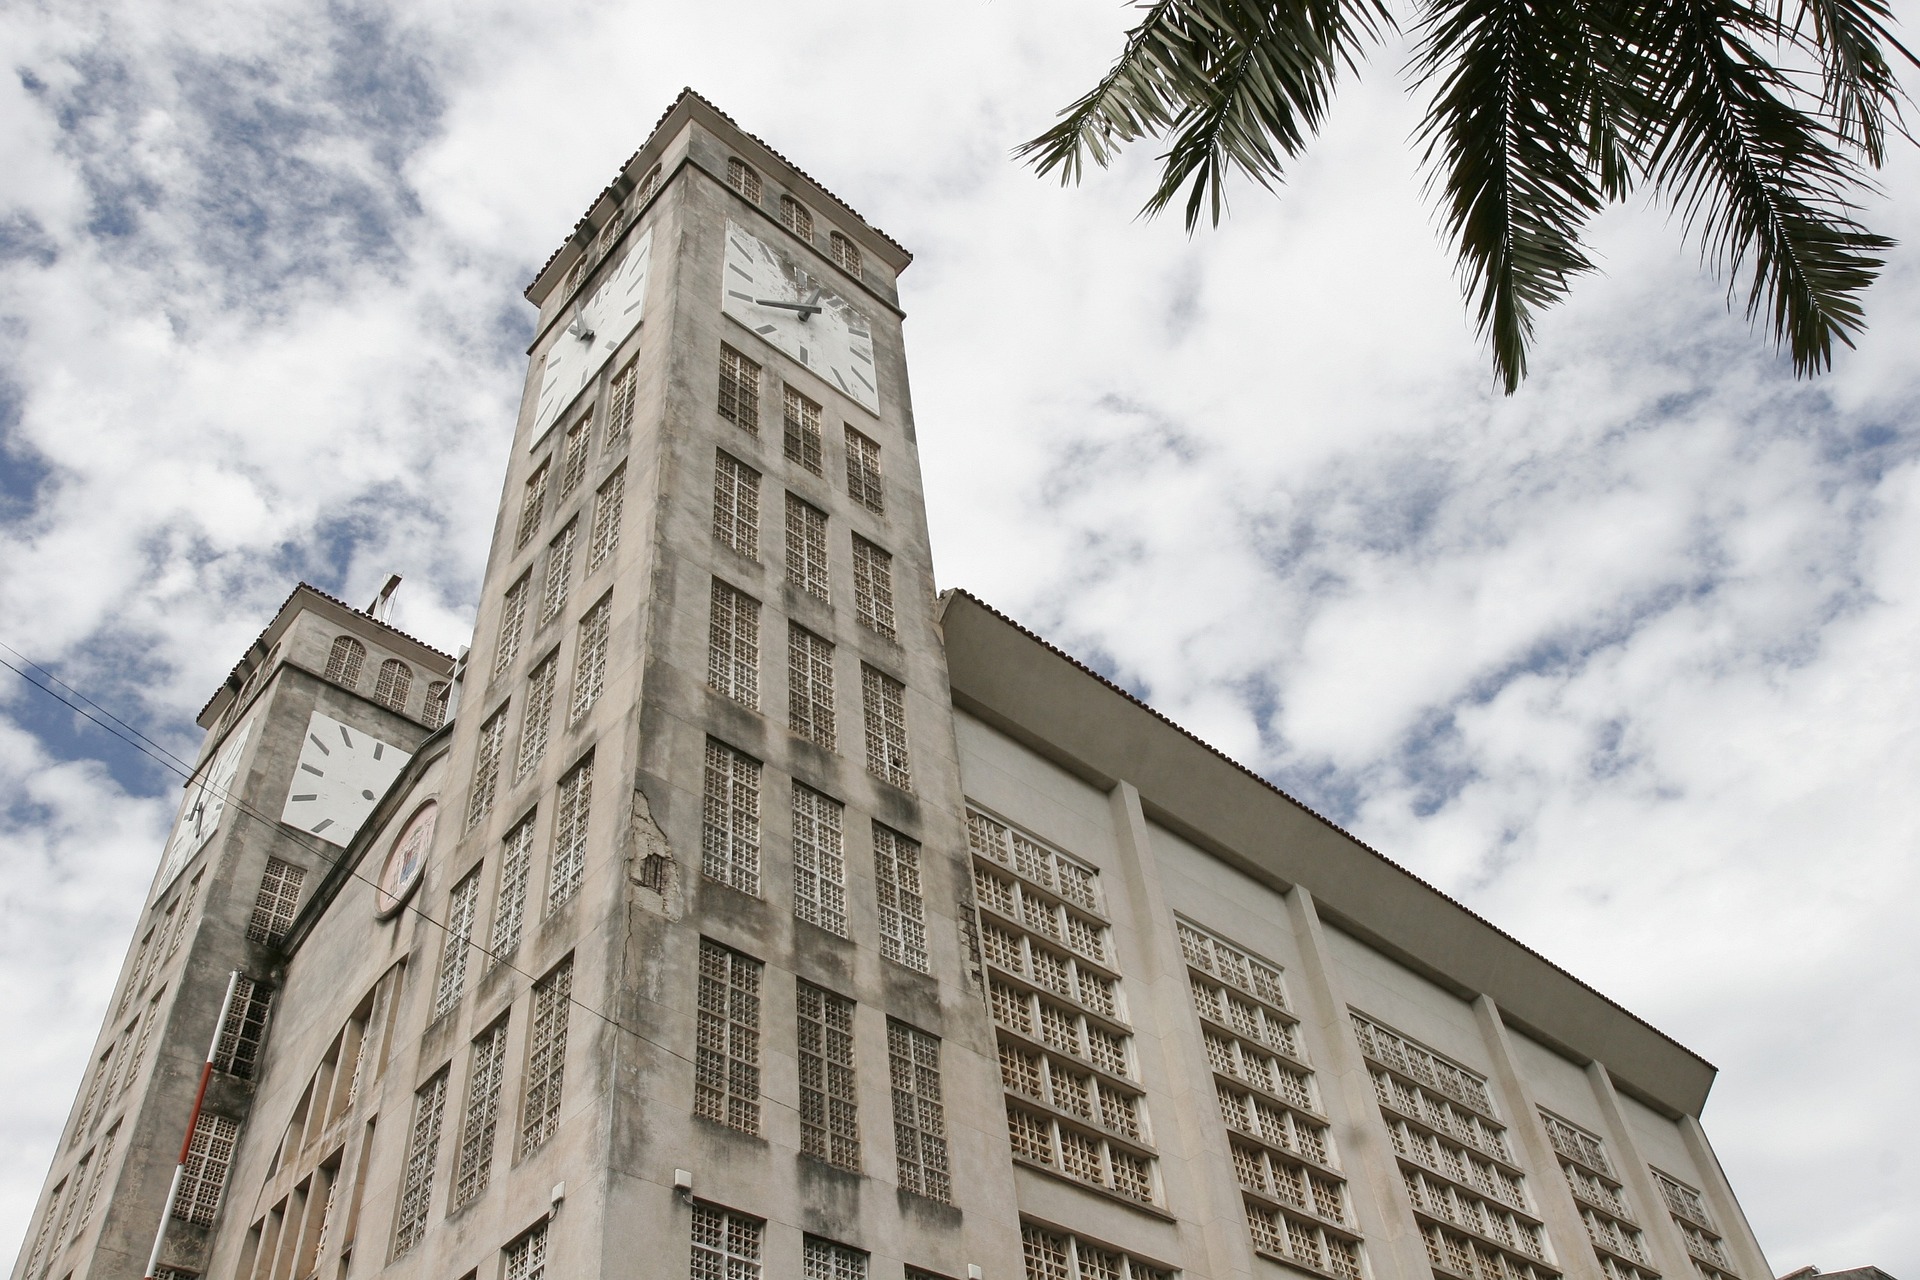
[590,658]
[802,430]
[819,861]
[609,503]
[810,686]
[796,218]
[434,711]
[733,645]
[825,1260]
[533,502]
[896,873]
[620,406]
[1053,1255]
[829,1110]
[343,662]
[883,700]
[739,390]
[807,548]
[462,904]
[863,472]
[527,1256]
[845,254]
[393,684]
[726,1245]
[513,620]
[238,1049]
[536,720]
[510,907]
[742,177]
[736,505]
[473,1165]
[423,1153]
[730,819]
[553,595]
[919,1117]
[726,1078]
[572,800]
[486,766]
[274,904]
[873,587]
[546,1056]
[573,454]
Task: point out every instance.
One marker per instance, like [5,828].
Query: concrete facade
[690,985]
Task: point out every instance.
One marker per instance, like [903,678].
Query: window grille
[730,826]
[1394,1051]
[434,710]
[1239,969]
[1051,870]
[810,686]
[726,1079]
[486,766]
[513,617]
[343,663]
[819,861]
[473,1165]
[620,406]
[553,594]
[742,177]
[391,686]
[273,906]
[208,1154]
[237,1051]
[873,586]
[608,506]
[147,1022]
[590,657]
[1689,1211]
[825,1260]
[726,1246]
[807,548]
[802,421]
[1052,1255]
[547,1056]
[1463,1166]
[1518,1237]
[797,218]
[461,906]
[527,1256]
[845,254]
[571,802]
[883,699]
[1576,1144]
[537,719]
[736,505]
[423,1153]
[1601,1199]
[508,912]
[533,501]
[733,645]
[896,871]
[739,390]
[1083,1156]
[829,1111]
[573,457]
[1280,1235]
[919,1118]
[102,1158]
[863,472]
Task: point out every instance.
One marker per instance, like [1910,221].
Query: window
[825,1260]
[1080,1155]
[147,1021]
[1051,1255]
[183,916]
[919,1119]
[573,458]
[527,1256]
[620,406]
[648,185]
[102,1073]
[819,861]
[726,1246]
[742,178]
[802,434]
[730,819]
[733,645]
[736,506]
[486,766]
[434,710]
[896,873]
[829,1111]
[273,905]
[536,720]
[547,1056]
[608,505]
[136,971]
[510,908]
[726,1079]
[845,254]
[343,663]
[809,686]
[797,218]
[863,472]
[533,502]
[1281,1235]
[553,596]
[208,1154]
[48,1215]
[391,686]
[101,1159]
[1421,1066]
[571,803]
[590,657]
[873,586]
[739,390]
[238,1048]
[883,700]
[513,618]
[807,547]
[473,1165]
[1689,1211]
[423,1153]
[462,903]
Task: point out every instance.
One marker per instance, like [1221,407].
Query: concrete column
[1664,1241]
[1742,1245]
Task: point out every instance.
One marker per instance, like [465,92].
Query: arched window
[648,185]
[435,711]
[395,682]
[343,664]
[797,217]
[845,254]
[742,178]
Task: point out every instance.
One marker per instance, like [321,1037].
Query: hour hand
[807,310]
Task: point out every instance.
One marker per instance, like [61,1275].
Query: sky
[1624,661]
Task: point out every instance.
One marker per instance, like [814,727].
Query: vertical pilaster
[1727,1214]
[1663,1238]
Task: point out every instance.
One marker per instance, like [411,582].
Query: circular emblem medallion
[406,860]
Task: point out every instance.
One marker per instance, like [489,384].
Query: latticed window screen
[78,1188]
[473,1164]
[527,1256]
[547,1056]
[274,905]
[590,657]
[343,662]
[739,390]
[742,177]
[825,1260]
[423,1154]
[182,917]
[393,684]
[648,185]
[136,972]
[533,501]
[726,1246]
[536,719]
[513,621]
[730,819]
[807,548]
[919,1117]
[1053,1255]
[49,1215]
[101,1160]
[510,908]
[733,645]
[883,699]
[810,686]
[573,457]
[208,1156]
[1688,1208]
[238,1048]
[620,406]
[139,1056]
[434,710]
[797,218]
[819,861]
[608,505]
[553,595]
[102,1075]
[896,874]
[571,802]
[736,505]
[873,586]
[863,472]
[1426,1068]
[1083,1156]
[462,904]
[726,1078]
[486,766]
[1603,1203]
[845,253]
[829,1112]
[801,419]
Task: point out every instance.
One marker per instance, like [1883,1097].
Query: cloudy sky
[1626,661]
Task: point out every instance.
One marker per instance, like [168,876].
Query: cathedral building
[739,907]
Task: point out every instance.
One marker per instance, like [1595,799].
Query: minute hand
[805,309]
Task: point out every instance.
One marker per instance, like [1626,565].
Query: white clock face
[342,774]
[770,294]
[207,797]
[598,327]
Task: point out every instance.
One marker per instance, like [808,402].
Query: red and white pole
[193,1122]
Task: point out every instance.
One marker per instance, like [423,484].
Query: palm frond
[1859,91]
[1130,102]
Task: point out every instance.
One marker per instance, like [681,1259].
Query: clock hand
[580,330]
[806,309]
